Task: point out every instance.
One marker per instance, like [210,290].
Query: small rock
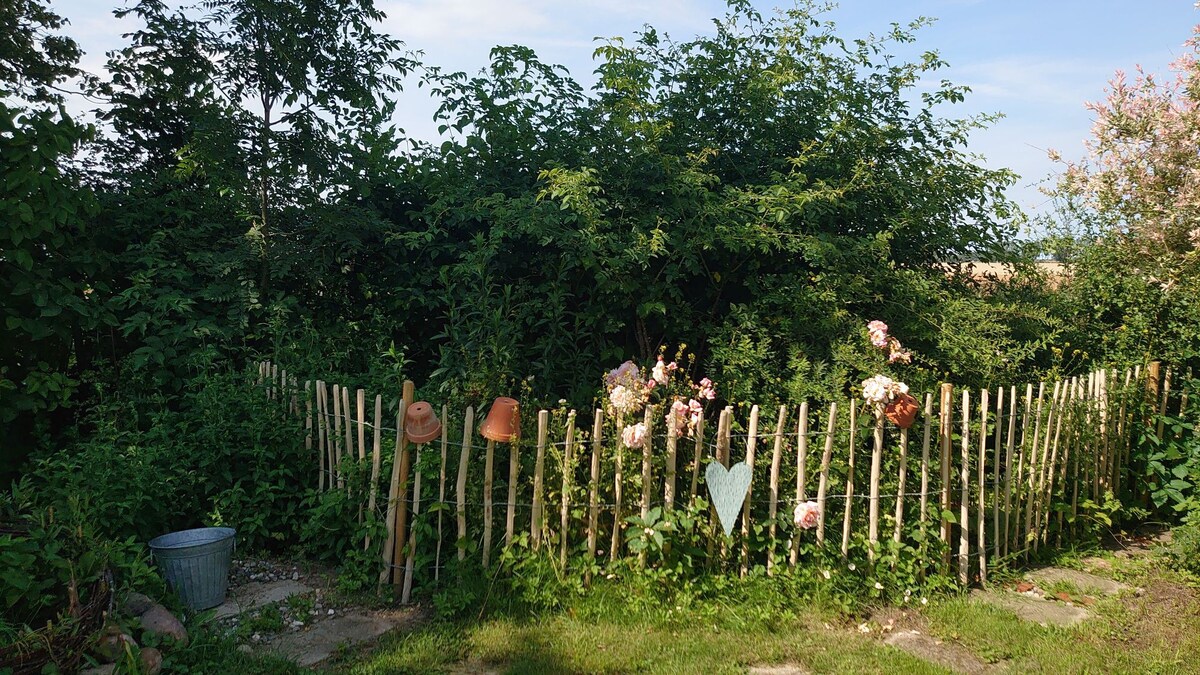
[151,660]
[256,637]
[330,612]
[1024,587]
[137,604]
[1063,596]
[159,622]
[295,576]
[1088,602]
[112,645]
[245,649]
[106,669]
[1139,591]
[312,612]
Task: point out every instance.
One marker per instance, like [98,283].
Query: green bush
[222,454]
[51,557]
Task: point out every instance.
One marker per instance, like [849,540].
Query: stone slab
[951,656]
[258,594]
[783,669]
[1085,582]
[309,647]
[1045,612]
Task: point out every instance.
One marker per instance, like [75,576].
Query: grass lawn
[1155,630]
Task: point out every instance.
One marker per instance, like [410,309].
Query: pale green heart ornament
[727,488]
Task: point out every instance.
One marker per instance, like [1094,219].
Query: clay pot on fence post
[421,423]
[503,423]
[902,411]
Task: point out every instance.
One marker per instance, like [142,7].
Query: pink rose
[807,514]
[677,417]
[634,436]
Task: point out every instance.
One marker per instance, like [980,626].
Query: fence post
[823,480]
[537,518]
[945,419]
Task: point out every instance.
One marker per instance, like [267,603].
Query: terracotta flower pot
[503,421]
[421,423]
[902,411]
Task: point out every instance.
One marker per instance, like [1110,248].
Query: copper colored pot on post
[902,411]
[503,423]
[421,424]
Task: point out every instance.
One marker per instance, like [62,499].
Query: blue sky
[1035,62]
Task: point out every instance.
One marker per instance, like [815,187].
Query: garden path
[296,615]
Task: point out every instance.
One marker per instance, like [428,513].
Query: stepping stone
[310,647]
[1088,583]
[948,655]
[257,594]
[1044,612]
[783,669]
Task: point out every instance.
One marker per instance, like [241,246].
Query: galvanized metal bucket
[196,564]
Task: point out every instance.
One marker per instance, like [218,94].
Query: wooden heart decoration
[727,488]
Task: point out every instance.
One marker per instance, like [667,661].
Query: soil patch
[1154,616]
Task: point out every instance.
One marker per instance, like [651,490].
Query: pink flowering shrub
[629,391]
[1143,168]
[880,390]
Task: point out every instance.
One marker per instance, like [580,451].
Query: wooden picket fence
[1001,473]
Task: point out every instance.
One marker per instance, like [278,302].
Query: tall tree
[47,263]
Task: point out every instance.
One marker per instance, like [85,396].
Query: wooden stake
[514,476]
[537,519]
[376,464]
[337,435]
[981,472]
[997,461]
[901,484]
[461,484]
[773,487]
[489,463]
[401,522]
[1123,433]
[801,472]
[1008,466]
[823,480]
[594,492]
[1162,405]
[945,437]
[850,478]
[437,564]
[1043,469]
[1019,482]
[647,457]
[567,472]
[322,449]
[361,410]
[924,517]
[876,465]
[964,523]
[1047,493]
[696,456]
[618,493]
[751,447]
[393,499]
[406,594]
[669,481]
[362,425]
[1031,482]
